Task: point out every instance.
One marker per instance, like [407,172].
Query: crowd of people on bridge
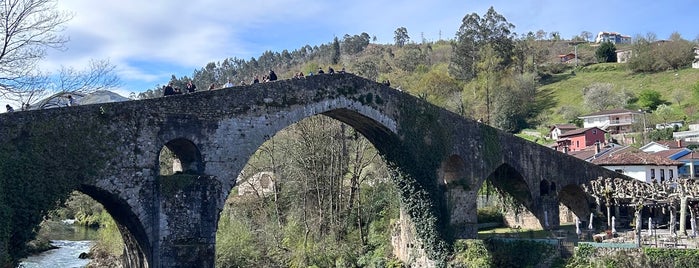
[269,77]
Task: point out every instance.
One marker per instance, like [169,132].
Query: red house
[579,139]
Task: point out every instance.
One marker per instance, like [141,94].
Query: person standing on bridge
[272,76]
[168,90]
[228,84]
[9,108]
[191,87]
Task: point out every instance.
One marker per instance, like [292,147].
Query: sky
[148,41]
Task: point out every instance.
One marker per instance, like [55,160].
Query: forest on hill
[487,71]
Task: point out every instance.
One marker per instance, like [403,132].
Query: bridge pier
[188,221]
[463,212]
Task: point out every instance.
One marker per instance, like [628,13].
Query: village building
[616,121]
[579,139]
[639,165]
[613,37]
[558,129]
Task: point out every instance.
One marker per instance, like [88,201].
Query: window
[577,144]
[670,171]
[594,131]
[662,175]
[652,173]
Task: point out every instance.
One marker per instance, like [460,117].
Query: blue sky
[148,41]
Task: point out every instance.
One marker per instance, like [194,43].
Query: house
[613,37]
[673,125]
[639,165]
[579,139]
[623,55]
[258,184]
[675,151]
[658,146]
[558,129]
[614,121]
[567,58]
[691,135]
[690,169]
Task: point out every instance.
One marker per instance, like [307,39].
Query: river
[71,241]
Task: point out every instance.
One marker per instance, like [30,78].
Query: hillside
[674,86]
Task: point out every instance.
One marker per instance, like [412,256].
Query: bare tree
[100,74]
[28,28]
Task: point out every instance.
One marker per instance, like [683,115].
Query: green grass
[523,233]
[568,88]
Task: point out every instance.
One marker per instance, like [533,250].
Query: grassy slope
[568,88]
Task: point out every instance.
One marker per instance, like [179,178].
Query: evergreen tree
[335,58]
[401,36]
[606,52]
[474,33]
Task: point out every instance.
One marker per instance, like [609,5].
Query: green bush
[672,257]
[490,214]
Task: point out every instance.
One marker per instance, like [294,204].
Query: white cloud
[148,40]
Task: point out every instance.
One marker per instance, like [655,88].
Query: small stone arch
[452,170]
[575,198]
[509,180]
[180,156]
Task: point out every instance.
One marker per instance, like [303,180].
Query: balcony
[621,122]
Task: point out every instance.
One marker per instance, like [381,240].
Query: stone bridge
[111,153]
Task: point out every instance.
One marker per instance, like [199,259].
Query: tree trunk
[683,215]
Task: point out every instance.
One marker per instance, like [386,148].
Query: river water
[71,241]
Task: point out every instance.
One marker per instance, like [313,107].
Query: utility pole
[575,45]
[644,125]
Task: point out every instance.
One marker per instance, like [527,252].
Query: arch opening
[504,198]
[452,171]
[180,156]
[574,198]
[137,250]
[321,176]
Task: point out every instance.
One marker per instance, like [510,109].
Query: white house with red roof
[638,164]
[558,129]
[613,121]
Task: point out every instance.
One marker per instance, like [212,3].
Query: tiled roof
[611,112]
[564,126]
[632,156]
[669,152]
[578,131]
[690,156]
[671,144]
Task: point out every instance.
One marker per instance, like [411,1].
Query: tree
[410,57]
[516,106]
[335,57]
[602,96]
[401,36]
[586,35]
[99,75]
[475,32]
[353,44]
[606,52]
[29,28]
[676,53]
[666,113]
[650,99]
